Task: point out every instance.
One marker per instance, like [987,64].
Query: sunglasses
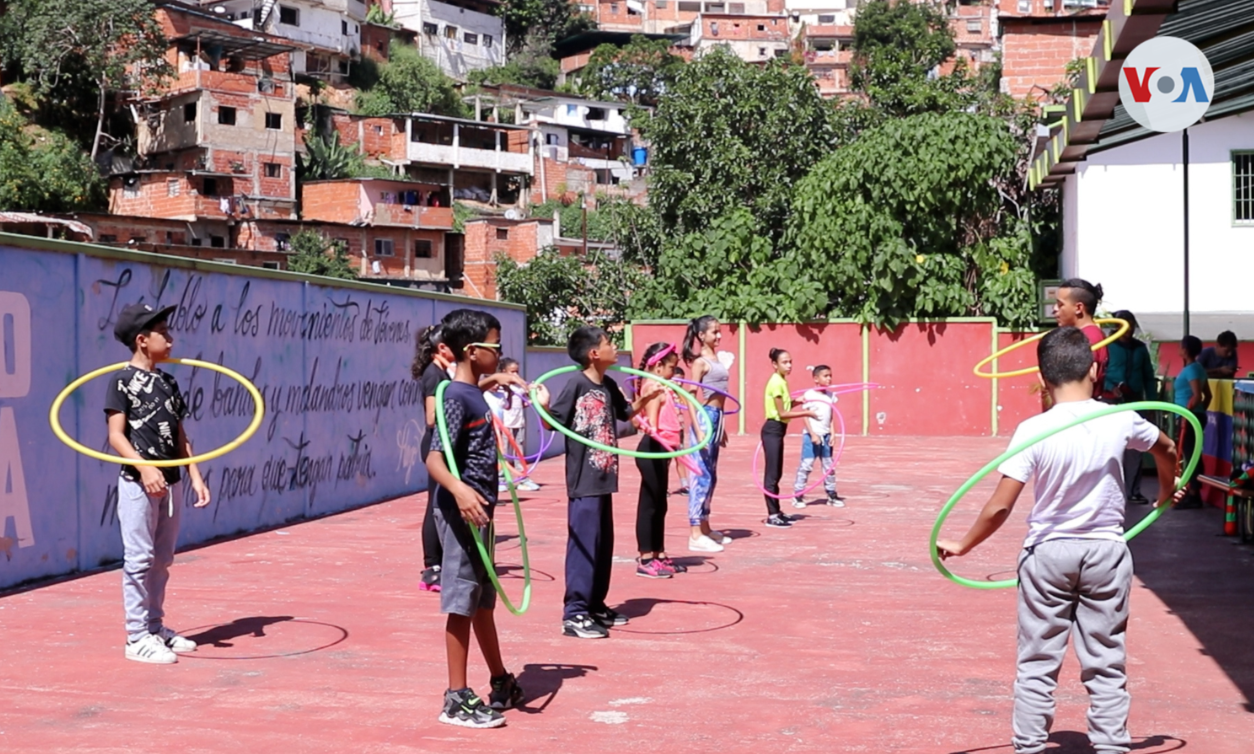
[497,346]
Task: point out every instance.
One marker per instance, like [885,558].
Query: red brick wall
[331,201]
[1035,54]
[773,29]
[482,244]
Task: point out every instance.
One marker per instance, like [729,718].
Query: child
[817,440]
[432,361]
[660,423]
[514,415]
[778,413]
[1075,572]
[466,594]
[1192,390]
[701,351]
[589,405]
[145,411]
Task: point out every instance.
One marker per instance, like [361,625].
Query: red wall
[839,346]
[1017,397]
[1169,357]
[928,387]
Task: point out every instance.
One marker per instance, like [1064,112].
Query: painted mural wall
[343,418]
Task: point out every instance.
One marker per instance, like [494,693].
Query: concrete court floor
[834,636]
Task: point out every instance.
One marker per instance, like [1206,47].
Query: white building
[1123,186]
[460,36]
[821,12]
[585,132]
[327,33]
[1123,227]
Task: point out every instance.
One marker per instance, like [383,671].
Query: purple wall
[343,418]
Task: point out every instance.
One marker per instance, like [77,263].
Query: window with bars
[1243,188]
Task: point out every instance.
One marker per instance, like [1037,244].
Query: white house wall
[319,27]
[1123,222]
[455,56]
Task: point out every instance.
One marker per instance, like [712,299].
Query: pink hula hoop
[822,477]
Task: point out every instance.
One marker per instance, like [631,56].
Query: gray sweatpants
[149,533]
[1073,587]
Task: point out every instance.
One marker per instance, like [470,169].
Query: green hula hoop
[689,450]
[441,423]
[993,464]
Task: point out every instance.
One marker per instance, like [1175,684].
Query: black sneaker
[584,627]
[608,618]
[788,518]
[463,708]
[778,521]
[506,693]
[1138,499]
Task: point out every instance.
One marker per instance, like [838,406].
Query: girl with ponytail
[700,351]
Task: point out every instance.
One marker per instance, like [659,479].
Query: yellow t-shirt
[777,386]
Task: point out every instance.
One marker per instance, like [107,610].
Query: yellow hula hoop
[258,415]
[1123,328]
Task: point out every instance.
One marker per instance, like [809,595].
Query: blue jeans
[701,486]
[808,453]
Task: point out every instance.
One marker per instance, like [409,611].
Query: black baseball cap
[136,318]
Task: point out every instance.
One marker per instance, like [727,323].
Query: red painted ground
[835,636]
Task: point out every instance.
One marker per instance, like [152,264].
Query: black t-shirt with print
[589,410]
[154,407]
[432,376]
[474,443]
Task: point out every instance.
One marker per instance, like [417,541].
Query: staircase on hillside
[262,13]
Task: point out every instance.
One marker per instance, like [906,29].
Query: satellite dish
[512,214]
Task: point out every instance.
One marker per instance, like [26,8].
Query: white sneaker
[703,544]
[150,649]
[720,537]
[174,641]
[798,502]
[528,485]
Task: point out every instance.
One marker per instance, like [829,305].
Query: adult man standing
[1129,378]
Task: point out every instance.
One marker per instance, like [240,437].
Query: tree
[639,72]
[898,50]
[531,64]
[43,171]
[410,83]
[315,254]
[913,220]
[325,158]
[550,19]
[562,293]
[732,270]
[68,46]
[729,135]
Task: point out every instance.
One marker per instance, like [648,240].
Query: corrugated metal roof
[1224,31]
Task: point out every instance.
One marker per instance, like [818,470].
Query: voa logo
[1166,84]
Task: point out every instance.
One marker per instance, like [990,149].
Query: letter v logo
[1140,89]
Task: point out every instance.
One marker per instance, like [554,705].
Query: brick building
[325,34]
[1040,37]
[217,147]
[408,230]
[486,237]
[753,38]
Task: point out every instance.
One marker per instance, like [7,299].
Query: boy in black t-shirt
[589,405]
[466,593]
[144,410]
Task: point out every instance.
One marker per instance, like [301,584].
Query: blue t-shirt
[474,443]
[1184,391]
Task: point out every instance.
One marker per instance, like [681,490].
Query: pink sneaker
[675,567]
[653,569]
[430,581]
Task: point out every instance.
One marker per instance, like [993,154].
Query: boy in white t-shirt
[1075,571]
[816,442]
